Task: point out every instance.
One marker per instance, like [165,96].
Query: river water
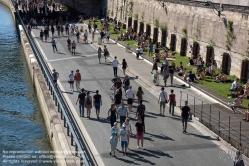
[22,126]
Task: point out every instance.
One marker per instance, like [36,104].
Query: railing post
[240,133]
[76,150]
[71,139]
[229,127]
[181,99]
[210,116]
[81,160]
[219,122]
[65,122]
[194,106]
[61,115]
[67,130]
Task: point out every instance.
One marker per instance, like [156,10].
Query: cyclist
[69,44]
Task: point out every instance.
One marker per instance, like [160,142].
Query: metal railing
[223,124]
[73,130]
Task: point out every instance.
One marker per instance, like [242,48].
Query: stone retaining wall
[202,25]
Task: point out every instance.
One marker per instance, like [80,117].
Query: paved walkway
[164,140]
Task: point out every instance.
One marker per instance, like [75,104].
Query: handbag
[166,101]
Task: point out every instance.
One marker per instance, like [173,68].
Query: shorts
[71,82]
[108,37]
[124,144]
[97,106]
[55,81]
[130,101]
[73,47]
[162,104]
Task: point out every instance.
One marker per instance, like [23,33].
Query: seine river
[22,127]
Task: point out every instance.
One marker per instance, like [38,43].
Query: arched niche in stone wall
[244,71]
[225,63]
[195,49]
[135,24]
[209,55]
[155,35]
[148,30]
[163,38]
[183,46]
[173,42]
[141,27]
[129,22]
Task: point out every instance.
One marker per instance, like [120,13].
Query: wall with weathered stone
[202,26]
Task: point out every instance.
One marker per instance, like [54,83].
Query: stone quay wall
[201,23]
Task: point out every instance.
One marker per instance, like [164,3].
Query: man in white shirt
[86,35]
[139,51]
[235,85]
[162,99]
[130,96]
[115,66]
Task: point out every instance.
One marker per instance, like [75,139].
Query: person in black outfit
[81,99]
[124,66]
[114,114]
[117,98]
[140,111]
[184,116]
[126,83]
[97,102]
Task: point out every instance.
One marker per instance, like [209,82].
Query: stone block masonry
[202,25]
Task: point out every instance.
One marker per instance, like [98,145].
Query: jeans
[171,75]
[77,84]
[126,88]
[171,107]
[122,120]
[81,106]
[54,47]
[184,123]
[115,70]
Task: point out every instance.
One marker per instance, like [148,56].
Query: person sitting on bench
[237,103]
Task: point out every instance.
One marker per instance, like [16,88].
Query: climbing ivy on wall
[184,31]
[230,35]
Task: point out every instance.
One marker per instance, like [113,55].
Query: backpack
[88,101]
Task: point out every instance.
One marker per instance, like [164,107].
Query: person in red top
[77,78]
[172,102]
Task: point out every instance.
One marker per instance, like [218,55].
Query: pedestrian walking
[78,36]
[128,129]
[89,27]
[124,66]
[162,100]
[130,97]
[172,102]
[141,112]
[184,116]
[97,103]
[140,132]
[154,67]
[115,65]
[62,29]
[150,49]
[72,27]
[102,35]
[99,54]
[73,47]
[54,45]
[113,142]
[123,137]
[77,78]
[118,85]
[117,130]
[123,113]
[52,31]
[139,95]
[117,98]
[86,36]
[126,83]
[55,77]
[106,52]
[88,104]
[112,114]
[165,74]
[81,100]
[107,33]
[46,34]
[171,74]
[93,34]
[155,79]
[67,28]
[71,81]
[69,44]
[41,35]
[237,160]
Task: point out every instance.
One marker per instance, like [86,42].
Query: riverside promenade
[164,142]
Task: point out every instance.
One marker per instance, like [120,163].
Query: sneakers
[138,147]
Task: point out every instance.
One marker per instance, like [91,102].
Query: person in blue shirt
[165,64]
[150,49]
[54,44]
[191,77]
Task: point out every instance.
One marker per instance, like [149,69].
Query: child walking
[113,142]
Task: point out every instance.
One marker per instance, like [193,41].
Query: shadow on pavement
[101,120]
[202,136]
[164,137]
